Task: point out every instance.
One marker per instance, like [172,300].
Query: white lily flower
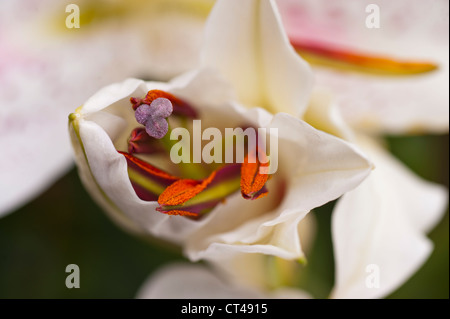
[391,79]
[313,169]
[46,68]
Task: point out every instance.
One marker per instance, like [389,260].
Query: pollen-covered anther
[154,116]
[183,190]
[179,213]
[194,198]
[254,175]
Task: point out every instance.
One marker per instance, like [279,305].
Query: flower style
[220,210]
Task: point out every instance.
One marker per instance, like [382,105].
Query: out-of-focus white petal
[324,114]
[188,281]
[409,30]
[383,222]
[25,172]
[156,39]
[184,281]
[246,42]
[262,271]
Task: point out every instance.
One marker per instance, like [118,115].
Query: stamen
[200,196]
[186,197]
[150,171]
[190,211]
[183,190]
[178,212]
[252,180]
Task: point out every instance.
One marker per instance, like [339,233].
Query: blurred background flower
[393,78]
[46,70]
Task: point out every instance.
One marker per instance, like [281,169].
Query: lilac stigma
[154,116]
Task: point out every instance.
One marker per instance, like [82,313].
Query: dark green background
[64,226]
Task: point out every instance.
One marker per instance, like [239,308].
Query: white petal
[323,168]
[93,187]
[408,30]
[262,271]
[188,281]
[247,44]
[184,281]
[383,222]
[323,113]
[317,168]
[109,169]
[394,106]
[26,169]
